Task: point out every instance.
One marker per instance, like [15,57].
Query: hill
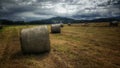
[54,20]
[58,20]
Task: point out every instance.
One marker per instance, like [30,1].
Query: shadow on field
[19,55]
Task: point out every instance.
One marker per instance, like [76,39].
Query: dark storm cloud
[43,9]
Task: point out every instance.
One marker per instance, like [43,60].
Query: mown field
[93,46]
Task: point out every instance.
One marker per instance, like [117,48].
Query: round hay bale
[1,26]
[35,40]
[84,24]
[69,24]
[55,28]
[61,24]
[114,23]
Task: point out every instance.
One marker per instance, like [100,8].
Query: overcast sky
[43,9]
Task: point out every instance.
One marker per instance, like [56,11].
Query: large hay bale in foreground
[114,23]
[35,40]
[55,28]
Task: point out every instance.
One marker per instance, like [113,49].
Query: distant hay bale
[1,26]
[55,28]
[84,24]
[61,24]
[35,40]
[69,24]
[114,23]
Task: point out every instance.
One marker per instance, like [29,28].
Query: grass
[92,46]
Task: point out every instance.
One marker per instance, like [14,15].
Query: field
[92,46]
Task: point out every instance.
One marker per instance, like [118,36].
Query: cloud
[43,9]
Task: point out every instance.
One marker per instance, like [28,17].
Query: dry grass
[92,46]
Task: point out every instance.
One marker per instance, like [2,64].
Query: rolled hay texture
[55,28]
[113,23]
[35,40]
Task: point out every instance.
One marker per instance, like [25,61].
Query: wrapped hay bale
[114,23]
[55,28]
[35,40]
